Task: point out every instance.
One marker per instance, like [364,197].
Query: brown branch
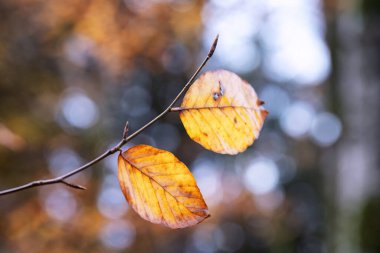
[125,139]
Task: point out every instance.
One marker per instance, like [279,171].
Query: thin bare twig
[125,139]
[75,186]
[126,130]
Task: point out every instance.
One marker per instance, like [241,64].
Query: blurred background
[72,72]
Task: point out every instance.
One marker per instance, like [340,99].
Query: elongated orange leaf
[222,112]
[160,188]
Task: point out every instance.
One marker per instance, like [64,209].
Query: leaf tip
[264,113]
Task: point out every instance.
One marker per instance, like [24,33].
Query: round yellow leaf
[160,188]
[222,112]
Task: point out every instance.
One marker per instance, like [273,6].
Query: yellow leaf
[222,112]
[160,188]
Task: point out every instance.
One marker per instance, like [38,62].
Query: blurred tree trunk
[354,37]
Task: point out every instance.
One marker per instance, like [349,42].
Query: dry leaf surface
[222,112]
[160,188]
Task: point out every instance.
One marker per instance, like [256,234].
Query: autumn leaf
[222,112]
[160,188]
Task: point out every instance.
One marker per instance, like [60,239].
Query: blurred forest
[72,72]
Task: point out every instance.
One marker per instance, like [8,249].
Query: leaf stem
[220,107]
[125,139]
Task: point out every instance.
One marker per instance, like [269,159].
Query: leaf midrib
[151,178]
